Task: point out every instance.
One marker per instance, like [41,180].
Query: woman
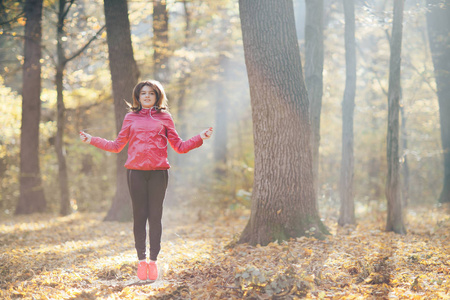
[148,128]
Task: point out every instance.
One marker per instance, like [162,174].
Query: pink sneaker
[142,270]
[152,270]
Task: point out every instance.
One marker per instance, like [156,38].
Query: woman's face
[147,97]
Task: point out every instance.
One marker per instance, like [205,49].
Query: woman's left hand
[85,137]
[206,134]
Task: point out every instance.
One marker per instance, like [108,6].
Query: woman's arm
[112,146]
[178,144]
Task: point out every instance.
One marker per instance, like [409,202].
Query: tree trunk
[61,117]
[62,61]
[181,106]
[221,138]
[124,75]
[59,145]
[394,200]
[404,160]
[223,99]
[32,198]
[347,210]
[438,20]
[283,201]
[183,84]
[314,77]
[161,41]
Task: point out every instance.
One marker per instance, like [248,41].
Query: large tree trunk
[283,201]
[124,75]
[161,41]
[347,210]
[313,76]
[32,198]
[61,117]
[438,19]
[394,200]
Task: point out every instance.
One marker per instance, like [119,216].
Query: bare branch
[49,54]
[63,16]
[51,7]
[388,36]
[423,77]
[13,35]
[370,68]
[13,19]
[86,45]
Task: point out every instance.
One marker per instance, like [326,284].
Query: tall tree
[60,119]
[438,20]
[185,76]
[161,41]
[32,198]
[180,97]
[283,200]
[223,96]
[61,63]
[314,75]
[404,157]
[222,100]
[393,188]
[347,210]
[124,76]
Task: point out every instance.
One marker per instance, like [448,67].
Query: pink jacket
[149,132]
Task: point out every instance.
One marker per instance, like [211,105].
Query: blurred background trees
[202,66]
[438,20]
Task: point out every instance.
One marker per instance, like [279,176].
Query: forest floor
[82,257]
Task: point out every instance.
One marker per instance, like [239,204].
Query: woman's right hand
[85,137]
[206,134]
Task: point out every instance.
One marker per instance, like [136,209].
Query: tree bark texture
[32,198]
[124,75]
[283,200]
[314,76]
[161,41]
[393,188]
[61,115]
[347,209]
[438,20]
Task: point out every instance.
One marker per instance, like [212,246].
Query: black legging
[147,190]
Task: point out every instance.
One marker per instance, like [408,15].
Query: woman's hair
[161,98]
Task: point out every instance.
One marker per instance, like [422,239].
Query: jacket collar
[145,111]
